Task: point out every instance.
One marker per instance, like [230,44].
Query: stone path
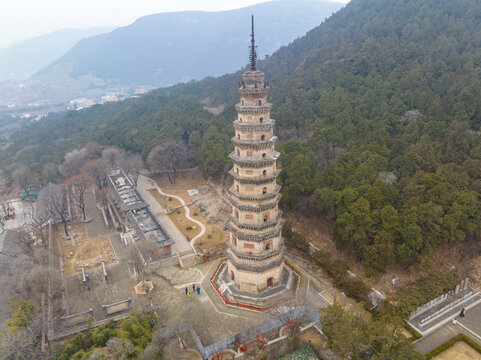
[181,245]
[435,339]
[472,321]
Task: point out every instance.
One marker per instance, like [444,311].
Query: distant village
[34,111]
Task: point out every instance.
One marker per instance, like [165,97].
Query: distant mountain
[25,58]
[168,48]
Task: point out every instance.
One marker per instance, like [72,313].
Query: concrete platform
[443,313]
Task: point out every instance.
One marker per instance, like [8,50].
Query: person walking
[454,322]
[198,290]
[188,296]
[186,290]
[193,288]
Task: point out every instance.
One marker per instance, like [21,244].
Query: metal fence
[244,336]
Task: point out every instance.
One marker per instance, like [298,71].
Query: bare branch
[79,185]
[133,165]
[97,169]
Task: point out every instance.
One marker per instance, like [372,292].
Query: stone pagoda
[255,249]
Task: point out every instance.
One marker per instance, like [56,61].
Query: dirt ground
[211,199]
[211,207]
[214,234]
[167,202]
[459,351]
[186,227]
[172,349]
[86,250]
[312,335]
[190,180]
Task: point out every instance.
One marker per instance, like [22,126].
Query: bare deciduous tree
[73,161]
[23,240]
[155,349]
[169,158]
[133,166]
[49,171]
[35,282]
[134,258]
[94,150]
[24,344]
[79,185]
[37,221]
[121,349]
[97,169]
[57,205]
[25,178]
[112,155]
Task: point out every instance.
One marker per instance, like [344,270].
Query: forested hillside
[393,84]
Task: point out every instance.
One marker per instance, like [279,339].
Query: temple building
[129,210]
[255,248]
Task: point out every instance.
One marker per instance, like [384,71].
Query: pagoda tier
[255,250]
[265,126]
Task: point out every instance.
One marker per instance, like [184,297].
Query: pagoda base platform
[266,299]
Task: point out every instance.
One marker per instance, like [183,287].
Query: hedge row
[337,270]
[413,332]
[451,342]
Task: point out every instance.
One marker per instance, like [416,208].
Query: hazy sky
[23,19]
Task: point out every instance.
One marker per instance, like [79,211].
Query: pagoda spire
[253,54]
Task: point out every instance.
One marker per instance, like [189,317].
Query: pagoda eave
[254,237]
[256,208]
[248,197]
[256,257]
[252,110]
[258,227]
[255,180]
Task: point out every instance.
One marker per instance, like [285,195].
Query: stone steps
[188,261]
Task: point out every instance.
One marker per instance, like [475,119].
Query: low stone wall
[117,307]
[429,305]
[77,319]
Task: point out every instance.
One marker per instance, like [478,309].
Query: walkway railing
[244,336]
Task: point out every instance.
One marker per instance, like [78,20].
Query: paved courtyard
[470,325]
[210,317]
[121,281]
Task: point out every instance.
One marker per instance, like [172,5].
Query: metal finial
[253,55]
